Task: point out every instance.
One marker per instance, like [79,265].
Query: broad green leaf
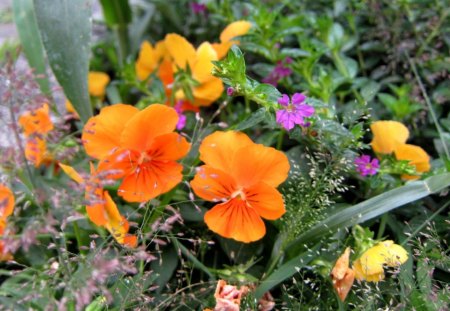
[165,266]
[267,92]
[116,12]
[65,28]
[350,216]
[369,90]
[30,39]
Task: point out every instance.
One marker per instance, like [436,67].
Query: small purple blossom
[198,8]
[365,166]
[279,72]
[293,111]
[181,117]
[230,91]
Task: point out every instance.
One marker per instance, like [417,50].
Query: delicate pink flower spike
[293,111]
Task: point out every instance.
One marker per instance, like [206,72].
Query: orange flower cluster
[101,209]
[175,54]
[6,209]
[36,124]
[390,137]
[243,177]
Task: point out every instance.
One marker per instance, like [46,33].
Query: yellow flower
[235,29]
[209,88]
[416,156]
[370,266]
[387,135]
[149,58]
[342,276]
[97,82]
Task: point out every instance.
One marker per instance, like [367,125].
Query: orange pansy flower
[416,156]
[6,209]
[342,276]
[140,146]
[387,135]
[37,121]
[235,29]
[209,88]
[228,297]
[243,177]
[97,82]
[101,209]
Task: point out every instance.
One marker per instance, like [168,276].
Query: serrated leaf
[30,39]
[65,28]
[271,93]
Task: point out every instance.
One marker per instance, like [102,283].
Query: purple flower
[279,72]
[198,8]
[293,111]
[365,166]
[181,117]
[230,91]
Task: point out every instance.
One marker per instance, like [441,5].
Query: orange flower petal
[208,92]
[222,48]
[150,180]
[97,82]
[180,49]
[217,150]
[141,130]
[234,219]
[72,173]
[266,201]
[36,150]
[119,164]
[416,157]
[171,146]
[203,65]
[257,163]
[96,213]
[342,276]
[6,202]
[101,134]
[387,135]
[235,29]
[212,184]
[37,121]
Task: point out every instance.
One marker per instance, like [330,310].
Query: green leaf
[350,216]
[116,12]
[369,90]
[30,39]
[165,266]
[351,66]
[267,92]
[256,118]
[335,36]
[65,28]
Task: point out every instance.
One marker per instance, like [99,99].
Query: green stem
[430,107]
[382,226]
[121,33]
[76,231]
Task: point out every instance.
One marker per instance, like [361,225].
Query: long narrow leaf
[30,39]
[356,214]
[65,27]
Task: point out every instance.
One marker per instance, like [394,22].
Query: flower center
[238,194]
[143,158]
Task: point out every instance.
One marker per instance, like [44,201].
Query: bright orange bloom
[6,209]
[36,151]
[342,276]
[209,88]
[387,135]
[370,266]
[101,209]
[149,58]
[243,176]
[97,82]
[416,156]
[139,146]
[37,121]
[235,29]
